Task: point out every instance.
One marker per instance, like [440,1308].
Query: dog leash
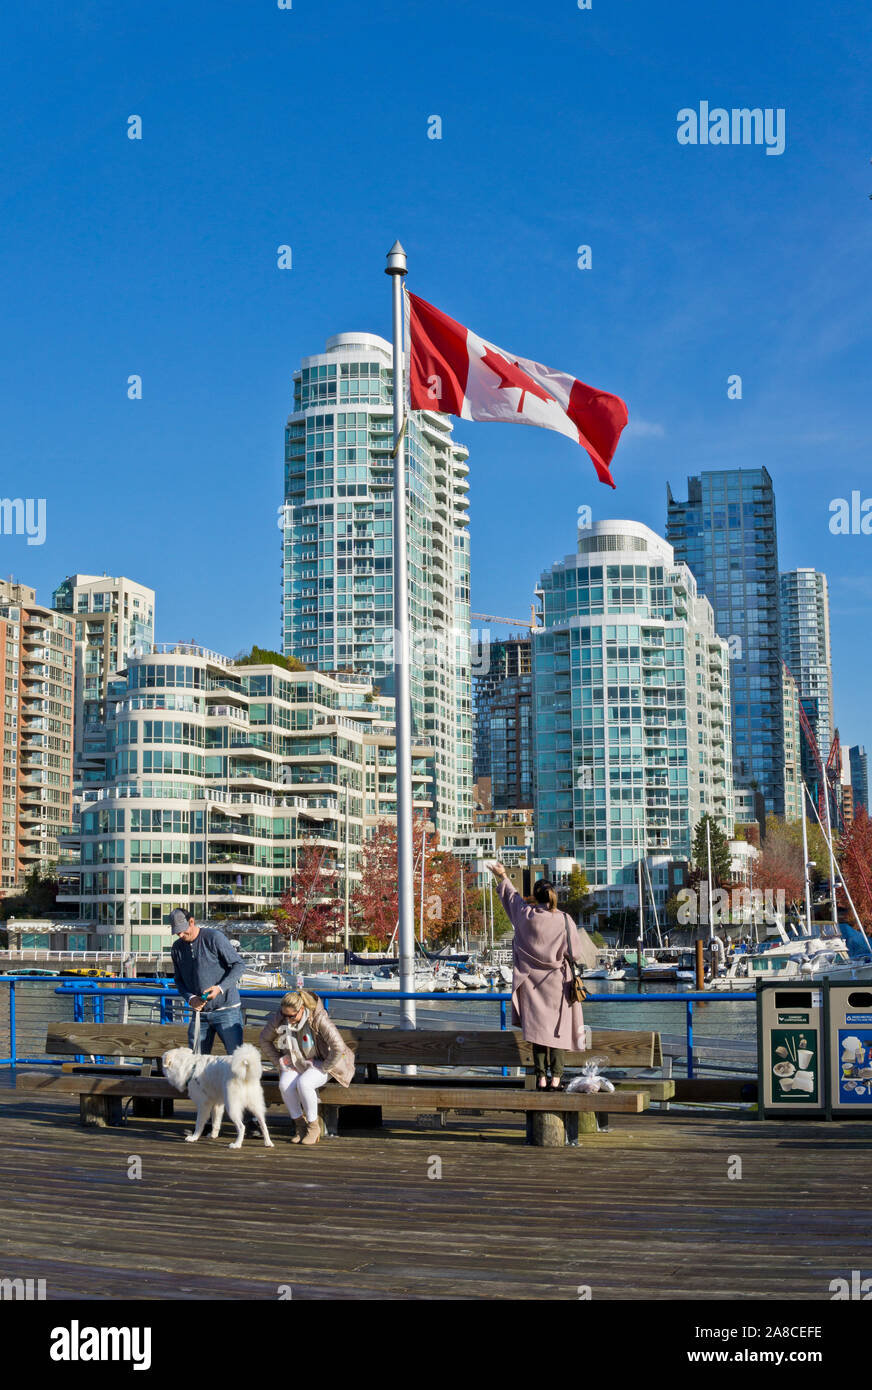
[223,1008]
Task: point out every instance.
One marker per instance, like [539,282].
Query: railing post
[79,1015]
[504,1071]
[12,1051]
[690,1068]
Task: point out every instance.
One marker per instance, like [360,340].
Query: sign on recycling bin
[855,1060]
[795,1060]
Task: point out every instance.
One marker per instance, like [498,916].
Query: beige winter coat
[336,1058]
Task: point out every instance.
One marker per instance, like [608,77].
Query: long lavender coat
[541,973]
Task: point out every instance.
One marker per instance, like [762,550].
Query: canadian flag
[454,372]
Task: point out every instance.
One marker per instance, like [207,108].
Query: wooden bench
[552,1117]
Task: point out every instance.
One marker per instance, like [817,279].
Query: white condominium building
[337,595]
[217,774]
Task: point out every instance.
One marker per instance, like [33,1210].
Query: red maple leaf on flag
[511,374]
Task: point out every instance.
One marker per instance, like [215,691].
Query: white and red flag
[454,372]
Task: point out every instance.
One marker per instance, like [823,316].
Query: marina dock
[647,1210]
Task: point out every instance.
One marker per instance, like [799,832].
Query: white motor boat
[604,972]
[471,979]
[386,979]
[802,957]
[331,980]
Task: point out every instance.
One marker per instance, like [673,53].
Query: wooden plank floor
[645,1211]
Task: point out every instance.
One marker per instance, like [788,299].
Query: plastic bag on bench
[591,1079]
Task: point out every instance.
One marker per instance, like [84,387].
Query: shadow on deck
[647,1210]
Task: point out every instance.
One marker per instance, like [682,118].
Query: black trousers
[545,1058]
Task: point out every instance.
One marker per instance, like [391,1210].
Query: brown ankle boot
[312,1133]
[300,1126]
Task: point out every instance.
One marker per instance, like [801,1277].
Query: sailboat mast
[805,865]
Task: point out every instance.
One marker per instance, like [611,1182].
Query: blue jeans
[226,1023]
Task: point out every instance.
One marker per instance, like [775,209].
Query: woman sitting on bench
[308,1050]
[541,976]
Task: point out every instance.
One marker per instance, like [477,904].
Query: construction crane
[510,622]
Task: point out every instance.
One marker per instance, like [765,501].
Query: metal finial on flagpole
[396,267]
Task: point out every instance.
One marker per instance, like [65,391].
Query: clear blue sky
[309,127]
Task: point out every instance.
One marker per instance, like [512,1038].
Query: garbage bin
[848,1025]
[790,1043]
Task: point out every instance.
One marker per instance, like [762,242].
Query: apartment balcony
[37,831]
[231,830]
[323,835]
[220,713]
[32,854]
[320,807]
[294,776]
[259,777]
[226,688]
[242,861]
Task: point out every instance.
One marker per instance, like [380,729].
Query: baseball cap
[179,921]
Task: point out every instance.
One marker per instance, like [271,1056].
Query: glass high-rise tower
[859,766]
[726,533]
[337,595]
[805,647]
[504,723]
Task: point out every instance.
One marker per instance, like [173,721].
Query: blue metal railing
[99,989]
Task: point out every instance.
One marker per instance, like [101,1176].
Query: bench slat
[402,1097]
[423,1047]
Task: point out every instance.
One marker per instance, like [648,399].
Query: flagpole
[396,268]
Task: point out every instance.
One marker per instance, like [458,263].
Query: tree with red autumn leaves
[375,898]
[311,911]
[855,862]
[779,864]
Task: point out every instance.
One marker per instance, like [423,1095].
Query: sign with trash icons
[795,1060]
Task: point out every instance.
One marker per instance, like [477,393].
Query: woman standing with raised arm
[541,977]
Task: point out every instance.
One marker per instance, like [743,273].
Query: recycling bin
[848,1026]
[790,1050]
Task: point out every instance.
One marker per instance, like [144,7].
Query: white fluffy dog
[218,1083]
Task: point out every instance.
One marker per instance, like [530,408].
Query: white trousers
[300,1091]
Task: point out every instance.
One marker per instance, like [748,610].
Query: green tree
[502,925]
[38,897]
[577,892]
[721,875]
[264,656]
[671,910]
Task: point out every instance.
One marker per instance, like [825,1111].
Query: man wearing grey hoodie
[207,969]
